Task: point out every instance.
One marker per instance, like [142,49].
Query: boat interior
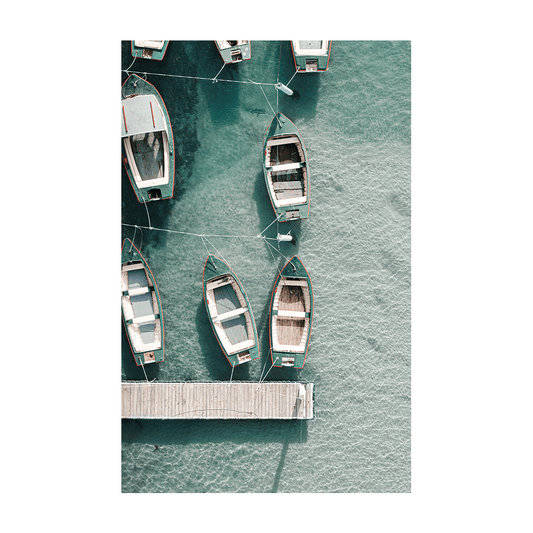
[309,48]
[148,158]
[140,308]
[229,44]
[154,45]
[286,170]
[230,315]
[291,315]
[147,144]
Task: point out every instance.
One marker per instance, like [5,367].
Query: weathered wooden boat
[141,307]
[147,140]
[311,56]
[229,312]
[291,315]
[234,51]
[286,171]
[149,49]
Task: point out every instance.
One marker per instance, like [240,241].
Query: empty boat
[149,49]
[291,315]
[285,169]
[229,312]
[234,51]
[141,307]
[147,140]
[311,56]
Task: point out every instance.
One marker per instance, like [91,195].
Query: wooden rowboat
[229,312]
[291,315]
[234,51]
[311,56]
[147,141]
[149,49]
[141,307]
[286,170]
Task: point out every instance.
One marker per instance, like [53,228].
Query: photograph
[266,266]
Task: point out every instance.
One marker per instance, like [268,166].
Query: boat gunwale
[229,49]
[303,71]
[137,51]
[148,271]
[311,312]
[231,273]
[172,148]
[282,209]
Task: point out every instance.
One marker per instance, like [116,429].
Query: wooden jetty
[282,400]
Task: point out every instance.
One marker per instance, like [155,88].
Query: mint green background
[479,115]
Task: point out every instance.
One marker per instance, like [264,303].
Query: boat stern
[243,357]
[311,56]
[144,358]
[234,51]
[294,212]
[288,359]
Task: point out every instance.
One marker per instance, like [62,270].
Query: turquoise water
[355,120]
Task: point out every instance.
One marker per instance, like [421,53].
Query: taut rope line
[196,77]
[203,234]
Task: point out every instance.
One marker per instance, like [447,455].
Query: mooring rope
[133,239]
[269,371]
[144,372]
[279,252]
[276,220]
[217,251]
[149,221]
[206,248]
[203,234]
[134,58]
[196,77]
[292,77]
[274,259]
[261,376]
[215,78]
[268,101]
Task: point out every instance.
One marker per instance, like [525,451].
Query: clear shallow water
[355,123]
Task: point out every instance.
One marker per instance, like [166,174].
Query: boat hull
[229,312]
[241,51]
[286,171]
[143,171]
[142,314]
[291,315]
[149,49]
[307,59]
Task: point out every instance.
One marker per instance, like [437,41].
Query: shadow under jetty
[179,432]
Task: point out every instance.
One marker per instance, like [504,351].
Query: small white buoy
[283,88]
[286,238]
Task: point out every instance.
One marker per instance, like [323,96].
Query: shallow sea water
[355,120]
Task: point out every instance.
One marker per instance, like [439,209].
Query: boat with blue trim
[291,315]
[229,312]
[234,51]
[149,49]
[147,140]
[286,170]
[311,56]
[141,307]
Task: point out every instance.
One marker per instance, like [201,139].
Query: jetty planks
[218,400]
